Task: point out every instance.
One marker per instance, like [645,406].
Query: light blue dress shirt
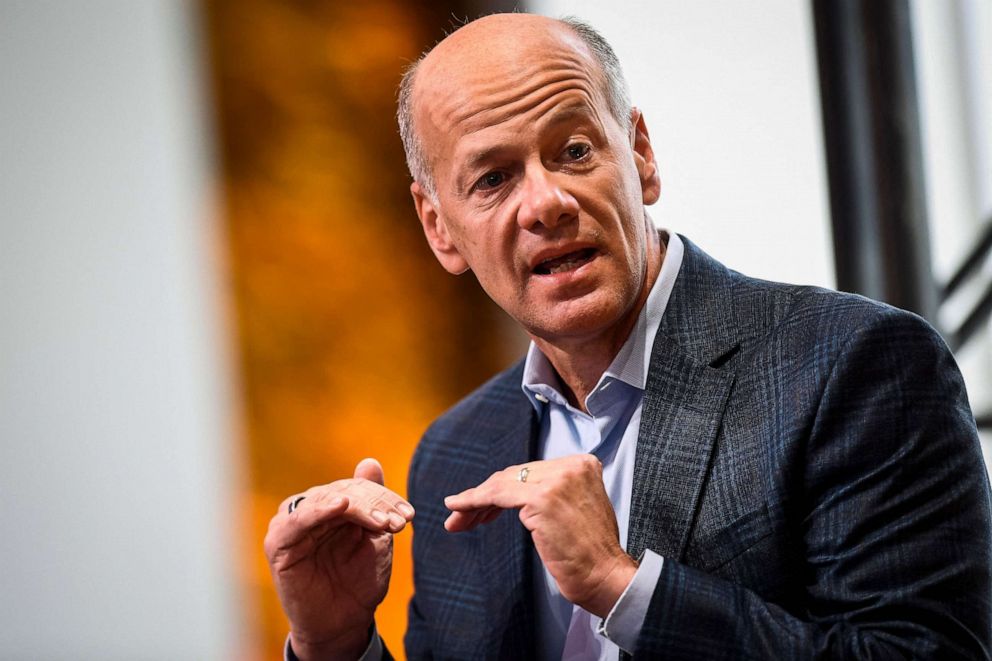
[608,431]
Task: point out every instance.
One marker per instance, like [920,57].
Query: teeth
[565,262]
[564,266]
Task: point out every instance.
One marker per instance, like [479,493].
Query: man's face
[540,191]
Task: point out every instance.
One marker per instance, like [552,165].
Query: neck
[581,362]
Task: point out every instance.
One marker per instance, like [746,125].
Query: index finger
[373,505]
[369,505]
[501,489]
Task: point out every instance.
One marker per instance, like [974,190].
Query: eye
[577,151]
[490,180]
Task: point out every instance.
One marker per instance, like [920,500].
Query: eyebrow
[568,113]
[482,156]
[560,116]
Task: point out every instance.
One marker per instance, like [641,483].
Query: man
[701,465]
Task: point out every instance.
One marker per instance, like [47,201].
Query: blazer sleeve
[896,527]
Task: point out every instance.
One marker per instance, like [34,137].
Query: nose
[545,201]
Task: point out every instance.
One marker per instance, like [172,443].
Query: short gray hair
[617,97]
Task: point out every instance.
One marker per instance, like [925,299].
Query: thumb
[371,470]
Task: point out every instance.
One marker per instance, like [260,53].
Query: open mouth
[567,262]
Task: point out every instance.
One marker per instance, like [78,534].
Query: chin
[577,318]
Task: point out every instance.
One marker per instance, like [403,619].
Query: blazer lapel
[683,406]
[685,396]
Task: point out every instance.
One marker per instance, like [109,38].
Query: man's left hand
[564,505]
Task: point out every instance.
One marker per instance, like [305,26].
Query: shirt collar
[540,381]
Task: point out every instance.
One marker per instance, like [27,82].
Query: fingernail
[336,502]
[379,517]
[396,521]
[405,509]
[447,500]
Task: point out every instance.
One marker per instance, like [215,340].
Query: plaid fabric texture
[807,463]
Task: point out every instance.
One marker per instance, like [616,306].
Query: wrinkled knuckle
[590,460]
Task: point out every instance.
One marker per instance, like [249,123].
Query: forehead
[496,76]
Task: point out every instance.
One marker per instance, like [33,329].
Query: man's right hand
[331,559]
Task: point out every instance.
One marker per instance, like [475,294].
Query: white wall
[116,523]
[730,94]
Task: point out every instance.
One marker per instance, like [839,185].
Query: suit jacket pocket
[714,549]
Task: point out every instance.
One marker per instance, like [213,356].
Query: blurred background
[214,291]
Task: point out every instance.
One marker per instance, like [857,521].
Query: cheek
[467,242]
[610,194]
[498,272]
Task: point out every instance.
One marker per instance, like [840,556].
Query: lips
[568,261]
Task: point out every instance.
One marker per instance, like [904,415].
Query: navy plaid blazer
[807,464]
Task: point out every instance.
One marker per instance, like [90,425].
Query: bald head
[497,47]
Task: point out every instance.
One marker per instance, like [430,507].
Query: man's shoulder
[814,305]
[787,302]
[825,314]
[789,317]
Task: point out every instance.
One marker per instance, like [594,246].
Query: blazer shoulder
[842,319]
[825,317]
[714,307]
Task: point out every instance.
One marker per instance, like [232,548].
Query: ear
[647,167]
[436,232]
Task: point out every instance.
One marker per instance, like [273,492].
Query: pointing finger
[501,493]
[462,521]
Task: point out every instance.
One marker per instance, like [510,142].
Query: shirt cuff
[623,624]
[374,652]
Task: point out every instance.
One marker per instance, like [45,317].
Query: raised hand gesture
[330,552]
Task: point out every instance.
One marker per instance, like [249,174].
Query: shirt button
[541,398]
